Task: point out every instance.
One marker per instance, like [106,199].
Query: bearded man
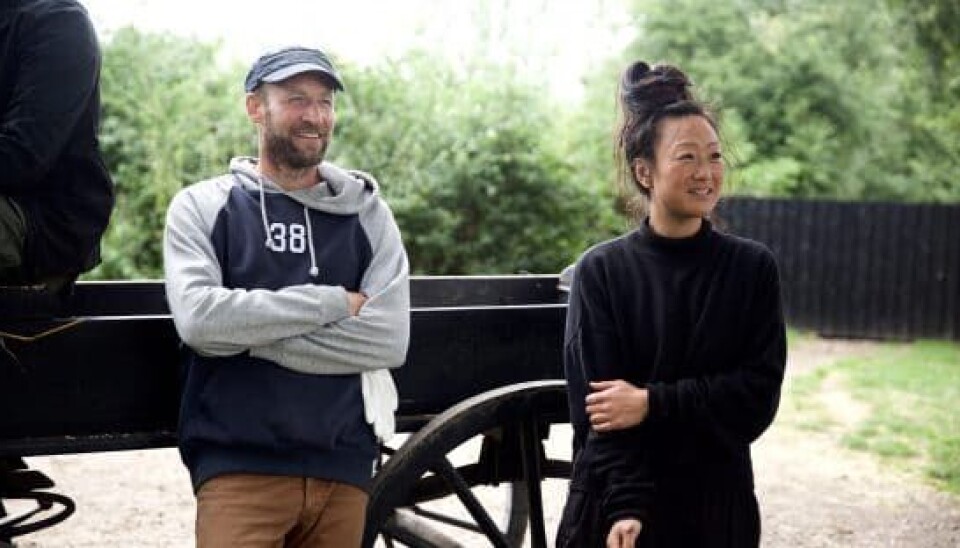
[289,284]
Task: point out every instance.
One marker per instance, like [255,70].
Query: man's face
[297,118]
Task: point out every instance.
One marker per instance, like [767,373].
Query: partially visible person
[55,193]
[288,281]
[675,345]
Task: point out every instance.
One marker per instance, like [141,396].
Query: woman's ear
[642,173]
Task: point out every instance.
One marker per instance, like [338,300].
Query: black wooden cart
[99,372]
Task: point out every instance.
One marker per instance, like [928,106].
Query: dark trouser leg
[12,231]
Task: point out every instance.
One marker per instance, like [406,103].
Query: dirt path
[813,493]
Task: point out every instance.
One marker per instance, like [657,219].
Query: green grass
[911,394]
[795,336]
[802,409]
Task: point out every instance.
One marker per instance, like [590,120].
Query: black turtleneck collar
[689,244]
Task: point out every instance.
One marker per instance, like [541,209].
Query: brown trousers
[257,511]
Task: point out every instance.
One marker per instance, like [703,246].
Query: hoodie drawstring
[314,269]
[263,215]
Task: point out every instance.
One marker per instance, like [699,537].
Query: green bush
[171,117]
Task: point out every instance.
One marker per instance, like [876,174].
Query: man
[55,193]
[288,281]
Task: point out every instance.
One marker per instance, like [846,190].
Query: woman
[674,347]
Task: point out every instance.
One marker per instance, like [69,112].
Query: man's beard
[282,150]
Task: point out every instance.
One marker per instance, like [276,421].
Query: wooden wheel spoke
[531,448]
[461,488]
[443,518]
[412,491]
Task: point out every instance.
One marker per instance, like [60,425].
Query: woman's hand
[615,405]
[624,533]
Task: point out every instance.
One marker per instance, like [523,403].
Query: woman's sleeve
[618,459]
[736,405]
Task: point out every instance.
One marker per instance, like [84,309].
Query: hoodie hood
[340,191]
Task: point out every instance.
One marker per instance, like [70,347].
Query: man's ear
[255,107]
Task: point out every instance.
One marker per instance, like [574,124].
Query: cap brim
[299,68]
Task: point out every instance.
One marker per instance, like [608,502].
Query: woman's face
[686,180]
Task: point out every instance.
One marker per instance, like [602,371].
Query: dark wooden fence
[860,269]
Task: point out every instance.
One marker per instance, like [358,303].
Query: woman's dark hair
[647,96]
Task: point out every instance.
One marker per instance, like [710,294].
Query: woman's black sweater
[698,322]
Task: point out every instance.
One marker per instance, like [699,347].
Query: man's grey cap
[282,64]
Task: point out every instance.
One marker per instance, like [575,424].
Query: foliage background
[487,172]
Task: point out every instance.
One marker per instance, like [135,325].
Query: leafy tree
[818,98]
[935,26]
[467,160]
[171,117]
[487,173]
[928,37]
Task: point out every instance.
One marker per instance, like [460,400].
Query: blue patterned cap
[282,64]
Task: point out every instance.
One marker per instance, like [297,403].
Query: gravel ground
[812,492]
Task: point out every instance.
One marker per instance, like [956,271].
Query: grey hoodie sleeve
[217,321]
[378,336]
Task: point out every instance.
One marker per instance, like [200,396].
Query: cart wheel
[510,423]
[59,507]
[18,482]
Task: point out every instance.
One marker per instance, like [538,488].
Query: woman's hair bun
[636,71]
[645,89]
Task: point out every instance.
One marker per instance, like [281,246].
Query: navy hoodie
[280,378]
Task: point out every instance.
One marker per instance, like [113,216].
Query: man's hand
[615,405]
[624,533]
[357,301]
